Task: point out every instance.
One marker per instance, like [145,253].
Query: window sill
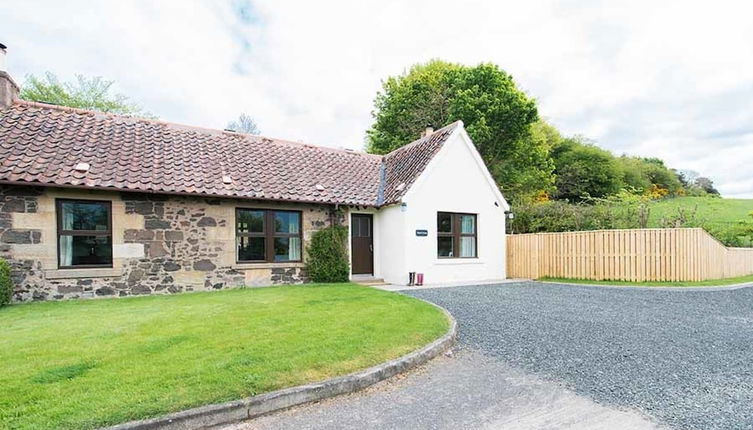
[252,266]
[457,261]
[106,272]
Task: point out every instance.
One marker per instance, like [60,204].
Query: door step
[369,282]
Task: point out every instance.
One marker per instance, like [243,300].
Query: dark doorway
[362,243]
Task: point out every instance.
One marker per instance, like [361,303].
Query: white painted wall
[456,180]
[390,255]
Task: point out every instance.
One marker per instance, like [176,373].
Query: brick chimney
[8,89]
[428,130]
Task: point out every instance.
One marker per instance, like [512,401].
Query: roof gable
[404,165]
[462,138]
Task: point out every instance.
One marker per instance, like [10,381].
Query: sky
[668,79]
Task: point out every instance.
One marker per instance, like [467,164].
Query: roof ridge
[212,131]
[423,138]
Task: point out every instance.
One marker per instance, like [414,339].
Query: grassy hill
[717,215]
[728,220]
[713,210]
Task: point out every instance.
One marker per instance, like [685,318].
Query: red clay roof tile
[42,144]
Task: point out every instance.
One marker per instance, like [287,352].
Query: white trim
[265,265]
[458,261]
[480,162]
[83,273]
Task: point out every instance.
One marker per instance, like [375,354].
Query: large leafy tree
[585,171]
[641,174]
[497,115]
[84,93]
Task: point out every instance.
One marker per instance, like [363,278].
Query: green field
[714,210]
[718,216]
[92,363]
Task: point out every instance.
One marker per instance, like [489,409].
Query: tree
[83,93]
[662,176]
[688,177]
[644,174]
[584,170]
[706,184]
[244,124]
[633,174]
[497,115]
[528,174]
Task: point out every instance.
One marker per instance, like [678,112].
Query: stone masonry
[161,244]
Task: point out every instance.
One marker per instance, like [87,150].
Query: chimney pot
[3,50]
[8,89]
[429,130]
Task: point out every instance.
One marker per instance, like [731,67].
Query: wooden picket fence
[676,254]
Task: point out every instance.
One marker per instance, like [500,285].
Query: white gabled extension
[456,180]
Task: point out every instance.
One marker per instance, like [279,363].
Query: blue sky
[671,79]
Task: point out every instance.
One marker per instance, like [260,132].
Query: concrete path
[468,390]
[406,288]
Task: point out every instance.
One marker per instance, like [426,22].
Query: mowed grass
[90,363]
[710,283]
[715,211]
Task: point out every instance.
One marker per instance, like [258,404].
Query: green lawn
[89,363]
[711,283]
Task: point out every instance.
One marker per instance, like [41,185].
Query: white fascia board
[480,162]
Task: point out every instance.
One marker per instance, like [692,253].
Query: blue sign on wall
[422,233]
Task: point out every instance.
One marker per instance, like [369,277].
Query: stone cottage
[95,204]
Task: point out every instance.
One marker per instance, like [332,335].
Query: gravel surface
[683,357]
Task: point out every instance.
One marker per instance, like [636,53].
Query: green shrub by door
[328,255]
[6,286]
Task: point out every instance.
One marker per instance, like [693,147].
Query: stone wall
[161,245]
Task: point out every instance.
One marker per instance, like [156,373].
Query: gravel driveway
[545,356]
[683,357]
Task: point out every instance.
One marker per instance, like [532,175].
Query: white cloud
[672,79]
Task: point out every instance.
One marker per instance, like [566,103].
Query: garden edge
[263,404]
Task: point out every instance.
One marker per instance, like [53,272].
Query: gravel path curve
[466,391]
[682,357]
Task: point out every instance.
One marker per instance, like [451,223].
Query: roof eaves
[180,193]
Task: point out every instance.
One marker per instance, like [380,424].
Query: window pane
[444,222]
[287,222]
[444,246]
[365,229]
[84,216]
[467,246]
[287,249]
[251,249]
[250,221]
[85,250]
[467,224]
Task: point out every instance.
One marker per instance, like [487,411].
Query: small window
[456,235]
[268,236]
[361,226]
[84,233]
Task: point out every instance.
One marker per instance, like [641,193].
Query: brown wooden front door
[362,243]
